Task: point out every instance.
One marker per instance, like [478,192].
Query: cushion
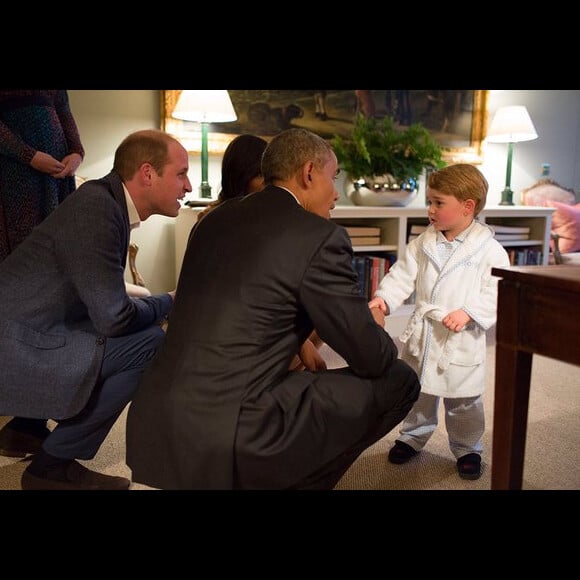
[572,259]
[547,190]
[566,223]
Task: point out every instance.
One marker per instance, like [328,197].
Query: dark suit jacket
[62,293]
[218,407]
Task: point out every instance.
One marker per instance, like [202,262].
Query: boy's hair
[463,181]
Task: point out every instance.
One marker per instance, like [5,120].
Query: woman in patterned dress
[40,151]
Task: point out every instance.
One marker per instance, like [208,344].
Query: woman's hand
[46,163]
[71,164]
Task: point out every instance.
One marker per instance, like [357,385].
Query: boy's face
[447,214]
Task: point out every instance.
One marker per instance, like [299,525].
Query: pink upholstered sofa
[565,244]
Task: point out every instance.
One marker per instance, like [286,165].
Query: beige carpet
[552,451]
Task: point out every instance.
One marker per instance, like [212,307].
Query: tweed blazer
[218,407]
[62,293]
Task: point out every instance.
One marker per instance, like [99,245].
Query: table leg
[510,416]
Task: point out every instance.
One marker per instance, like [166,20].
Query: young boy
[449,268]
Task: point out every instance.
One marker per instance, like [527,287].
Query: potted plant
[384,162]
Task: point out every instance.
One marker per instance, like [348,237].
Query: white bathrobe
[449,364]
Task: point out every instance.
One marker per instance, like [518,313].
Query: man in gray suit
[73,345]
[218,407]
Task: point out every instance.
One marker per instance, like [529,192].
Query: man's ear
[307,172]
[146,172]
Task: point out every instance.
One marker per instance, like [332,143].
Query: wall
[105,117]
[556,116]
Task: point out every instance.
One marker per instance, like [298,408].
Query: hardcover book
[510,229]
[356,231]
[366,240]
[511,237]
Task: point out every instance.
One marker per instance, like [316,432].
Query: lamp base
[507,196]
[205,190]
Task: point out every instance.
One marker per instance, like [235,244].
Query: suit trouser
[126,357]
[394,400]
[464,421]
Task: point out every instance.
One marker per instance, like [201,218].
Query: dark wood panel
[538,313]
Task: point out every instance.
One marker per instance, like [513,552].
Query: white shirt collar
[286,189]
[134,219]
[458,238]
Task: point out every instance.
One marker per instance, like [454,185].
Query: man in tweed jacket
[73,344]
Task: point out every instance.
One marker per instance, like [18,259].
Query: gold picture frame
[265,112]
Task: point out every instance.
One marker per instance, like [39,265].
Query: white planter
[383,191]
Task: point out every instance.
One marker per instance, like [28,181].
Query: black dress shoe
[73,477]
[19,438]
[469,466]
[401,452]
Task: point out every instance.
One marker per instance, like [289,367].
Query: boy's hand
[379,303]
[456,320]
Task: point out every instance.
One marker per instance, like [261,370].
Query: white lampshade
[205,107]
[511,125]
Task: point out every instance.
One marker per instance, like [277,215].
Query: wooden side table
[538,313]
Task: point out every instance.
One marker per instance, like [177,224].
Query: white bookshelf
[394,223]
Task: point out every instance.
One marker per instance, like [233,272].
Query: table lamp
[510,125]
[204,107]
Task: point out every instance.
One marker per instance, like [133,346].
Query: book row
[525,256]
[370,270]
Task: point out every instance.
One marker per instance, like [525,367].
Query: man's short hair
[288,151]
[147,146]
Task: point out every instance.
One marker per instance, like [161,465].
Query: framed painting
[457,119]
